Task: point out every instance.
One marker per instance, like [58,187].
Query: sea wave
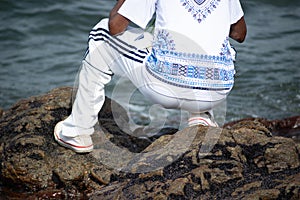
[43,42]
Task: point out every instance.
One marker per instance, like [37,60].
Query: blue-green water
[42,44]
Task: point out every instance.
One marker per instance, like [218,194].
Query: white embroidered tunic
[191,40]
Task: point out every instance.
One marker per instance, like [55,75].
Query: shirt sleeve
[139,12]
[236,11]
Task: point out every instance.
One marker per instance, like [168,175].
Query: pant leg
[89,100]
[105,55]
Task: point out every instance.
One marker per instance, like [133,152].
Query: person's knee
[103,23]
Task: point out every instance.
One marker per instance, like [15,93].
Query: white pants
[124,55]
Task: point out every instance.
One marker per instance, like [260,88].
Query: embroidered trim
[190,84]
[191,70]
[191,58]
[200,9]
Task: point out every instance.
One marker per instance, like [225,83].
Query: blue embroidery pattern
[200,9]
[200,73]
[225,50]
[199,2]
[163,40]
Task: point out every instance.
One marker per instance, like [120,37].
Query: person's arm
[117,23]
[238,31]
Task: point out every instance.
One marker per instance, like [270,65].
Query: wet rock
[288,127]
[248,159]
[243,164]
[31,161]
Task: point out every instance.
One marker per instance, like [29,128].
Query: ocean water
[42,44]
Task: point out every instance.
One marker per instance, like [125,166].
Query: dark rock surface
[245,160]
[289,127]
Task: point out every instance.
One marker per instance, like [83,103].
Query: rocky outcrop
[289,127]
[244,160]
